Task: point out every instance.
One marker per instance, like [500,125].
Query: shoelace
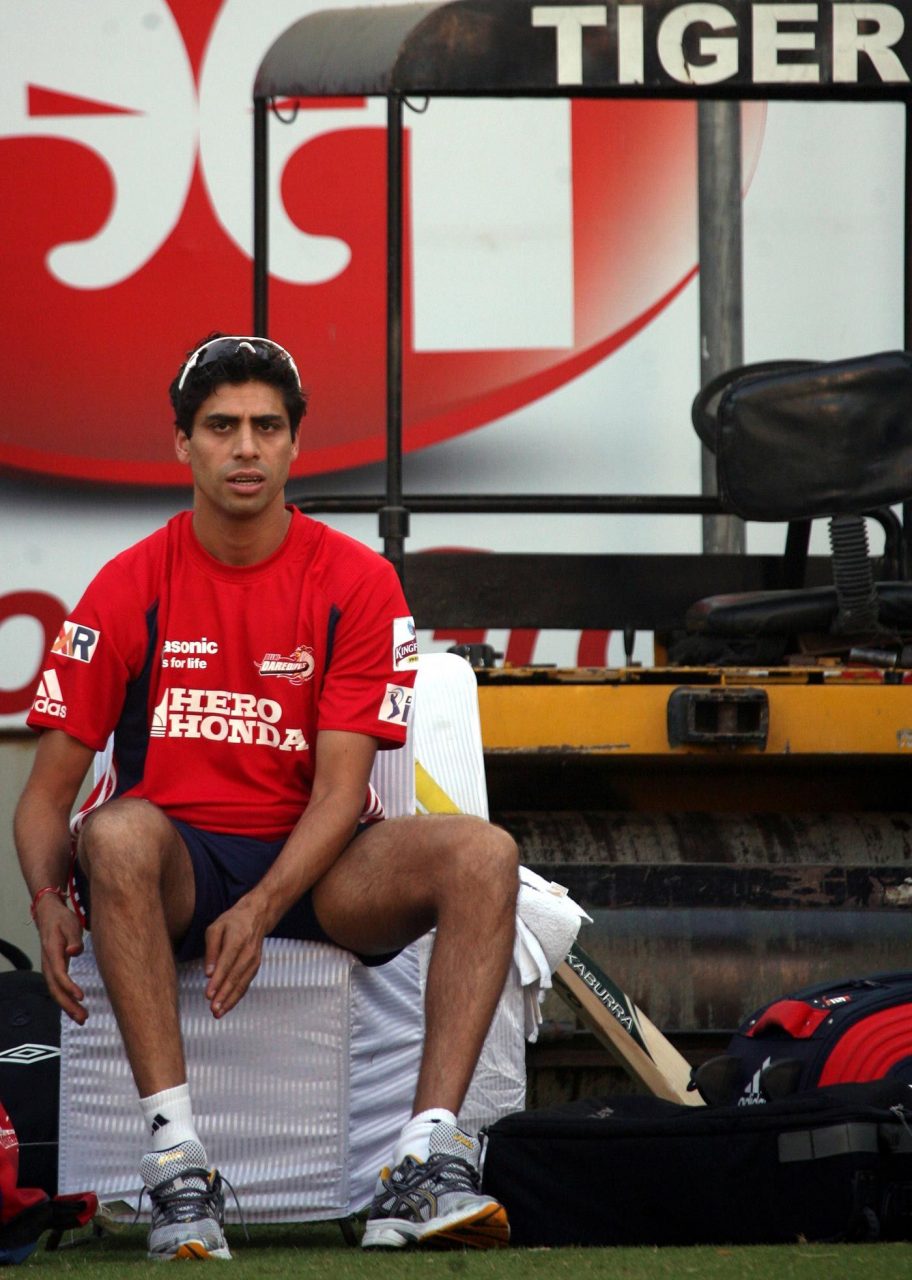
[457,1173]
[183,1203]
[177,1204]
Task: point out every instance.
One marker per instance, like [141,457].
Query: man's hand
[234,942]
[61,939]
[234,945]
[42,830]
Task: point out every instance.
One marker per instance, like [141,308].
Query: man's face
[240,449]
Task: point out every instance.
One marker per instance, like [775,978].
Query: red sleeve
[374,659]
[85,673]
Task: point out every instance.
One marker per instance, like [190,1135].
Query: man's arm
[42,833]
[234,941]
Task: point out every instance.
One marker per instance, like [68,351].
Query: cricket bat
[632,1040]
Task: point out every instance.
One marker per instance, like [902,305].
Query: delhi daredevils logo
[127,149]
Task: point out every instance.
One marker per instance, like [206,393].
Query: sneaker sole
[487,1228]
[191,1250]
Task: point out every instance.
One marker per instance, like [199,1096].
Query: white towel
[547,922]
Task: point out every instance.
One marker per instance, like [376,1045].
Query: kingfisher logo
[296,668]
[221,716]
[76,641]
[49,698]
[405,644]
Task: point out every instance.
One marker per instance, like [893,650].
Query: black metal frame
[394,506]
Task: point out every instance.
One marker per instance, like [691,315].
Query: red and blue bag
[832,1033]
[26,1213]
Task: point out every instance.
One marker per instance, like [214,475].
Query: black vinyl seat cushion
[812,609]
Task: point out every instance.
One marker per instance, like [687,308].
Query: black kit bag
[829,1164]
[30,1067]
[830,1033]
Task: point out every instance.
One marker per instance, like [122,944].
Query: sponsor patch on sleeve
[405,644]
[76,641]
[48,699]
[396,704]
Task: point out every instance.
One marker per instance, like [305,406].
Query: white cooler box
[300,1092]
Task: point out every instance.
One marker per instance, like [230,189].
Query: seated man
[249,662]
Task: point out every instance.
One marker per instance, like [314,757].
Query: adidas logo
[49,697]
[753,1095]
[159,1122]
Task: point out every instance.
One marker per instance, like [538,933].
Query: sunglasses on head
[220,348]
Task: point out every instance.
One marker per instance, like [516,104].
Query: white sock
[169,1117]
[415,1138]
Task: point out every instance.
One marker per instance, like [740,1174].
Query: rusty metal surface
[773,888]
[706,969]
[605,836]
[712,782]
[704,917]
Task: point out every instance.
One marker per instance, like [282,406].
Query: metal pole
[393,523]
[721,311]
[907,233]
[907,309]
[260,218]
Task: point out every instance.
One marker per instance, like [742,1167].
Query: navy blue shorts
[225,867]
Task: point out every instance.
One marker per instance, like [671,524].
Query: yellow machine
[736,817]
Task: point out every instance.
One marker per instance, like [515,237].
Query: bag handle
[797,1018]
[17,958]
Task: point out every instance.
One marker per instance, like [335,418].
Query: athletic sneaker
[188,1204]
[436,1202]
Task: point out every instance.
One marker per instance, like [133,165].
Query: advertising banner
[552,338]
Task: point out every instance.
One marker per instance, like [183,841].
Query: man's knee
[505,855]
[124,839]
[501,849]
[489,855]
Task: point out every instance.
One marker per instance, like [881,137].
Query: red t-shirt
[215,680]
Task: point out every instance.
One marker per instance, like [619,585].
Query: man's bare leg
[405,876]
[392,884]
[473,950]
[142,896]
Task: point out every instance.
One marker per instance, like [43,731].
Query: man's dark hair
[246,361]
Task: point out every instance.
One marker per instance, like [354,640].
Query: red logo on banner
[125,236]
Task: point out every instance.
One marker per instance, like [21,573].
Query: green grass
[318,1252]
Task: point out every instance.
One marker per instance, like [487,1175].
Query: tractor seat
[795,440]
[797,612]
